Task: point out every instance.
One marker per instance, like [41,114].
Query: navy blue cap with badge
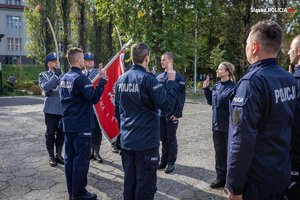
[50,57]
[88,56]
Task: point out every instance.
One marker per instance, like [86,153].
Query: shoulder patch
[156,87]
[239,101]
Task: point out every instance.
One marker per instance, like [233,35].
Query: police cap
[50,57]
[88,56]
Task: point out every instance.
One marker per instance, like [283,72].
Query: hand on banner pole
[127,44]
[102,72]
[57,71]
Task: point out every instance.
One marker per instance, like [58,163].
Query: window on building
[10,44]
[18,2]
[9,21]
[18,44]
[60,47]
[9,2]
[17,22]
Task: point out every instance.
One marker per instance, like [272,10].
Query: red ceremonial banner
[104,109]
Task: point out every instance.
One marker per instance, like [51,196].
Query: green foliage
[222,28]
[26,78]
[7,88]
[40,41]
[24,73]
[216,57]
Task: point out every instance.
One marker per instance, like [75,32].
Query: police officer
[49,82]
[294,54]
[294,189]
[77,96]
[169,120]
[91,72]
[138,95]
[261,116]
[218,98]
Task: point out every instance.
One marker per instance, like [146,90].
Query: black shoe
[162,166]
[59,159]
[98,158]
[170,168]
[217,184]
[114,148]
[52,162]
[87,196]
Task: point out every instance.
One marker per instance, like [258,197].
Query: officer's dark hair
[269,34]
[72,54]
[169,55]
[229,67]
[139,51]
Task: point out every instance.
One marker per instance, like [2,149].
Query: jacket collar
[137,66]
[76,69]
[262,63]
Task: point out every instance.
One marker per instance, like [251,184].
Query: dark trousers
[293,192]
[168,140]
[220,144]
[251,192]
[140,177]
[54,133]
[77,161]
[97,134]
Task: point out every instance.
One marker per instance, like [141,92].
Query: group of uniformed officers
[261,160]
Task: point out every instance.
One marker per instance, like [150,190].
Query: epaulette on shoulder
[150,74]
[44,75]
[250,74]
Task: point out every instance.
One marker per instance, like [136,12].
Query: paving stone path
[26,175]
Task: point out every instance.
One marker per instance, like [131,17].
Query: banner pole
[117,55]
[55,41]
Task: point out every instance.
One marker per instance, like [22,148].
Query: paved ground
[25,173]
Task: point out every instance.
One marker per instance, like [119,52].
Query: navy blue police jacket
[261,119]
[138,96]
[297,76]
[218,98]
[295,150]
[177,112]
[77,96]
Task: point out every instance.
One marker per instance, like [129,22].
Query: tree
[222,28]
[81,24]
[216,57]
[64,10]
[40,41]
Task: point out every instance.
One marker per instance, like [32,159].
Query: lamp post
[1,86]
[20,39]
[195,54]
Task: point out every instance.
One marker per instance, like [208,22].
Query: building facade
[12,32]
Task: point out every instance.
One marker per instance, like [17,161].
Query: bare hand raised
[206,82]
[171,75]
[170,66]
[102,73]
